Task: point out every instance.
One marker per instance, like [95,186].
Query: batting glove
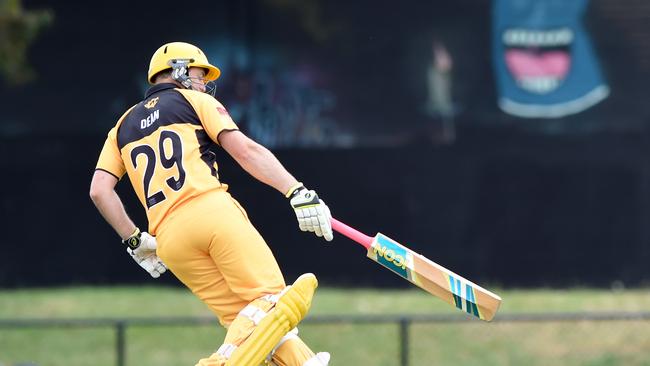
[312,213]
[142,248]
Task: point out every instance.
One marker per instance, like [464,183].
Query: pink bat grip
[352,233]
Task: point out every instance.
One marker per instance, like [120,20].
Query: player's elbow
[250,152]
[100,187]
[97,193]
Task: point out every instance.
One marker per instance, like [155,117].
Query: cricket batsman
[165,144]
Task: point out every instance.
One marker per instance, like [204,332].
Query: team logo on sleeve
[223,111]
[151,103]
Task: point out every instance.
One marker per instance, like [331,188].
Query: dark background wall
[510,211]
[510,202]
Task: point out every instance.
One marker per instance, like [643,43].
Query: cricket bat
[424,273]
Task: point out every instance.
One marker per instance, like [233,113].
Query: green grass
[469,343]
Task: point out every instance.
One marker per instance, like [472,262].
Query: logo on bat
[390,255]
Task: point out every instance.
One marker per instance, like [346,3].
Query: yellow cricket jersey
[165,145]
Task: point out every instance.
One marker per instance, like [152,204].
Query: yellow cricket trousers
[211,246]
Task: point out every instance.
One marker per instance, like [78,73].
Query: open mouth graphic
[539,60]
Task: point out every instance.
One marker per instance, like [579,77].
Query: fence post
[120,327]
[404,340]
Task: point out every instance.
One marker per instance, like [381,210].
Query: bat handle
[351,233]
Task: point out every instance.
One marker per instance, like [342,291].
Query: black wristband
[134,240]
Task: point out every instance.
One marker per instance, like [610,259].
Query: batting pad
[290,309]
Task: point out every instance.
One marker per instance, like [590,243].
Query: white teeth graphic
[536,38]
[539,84]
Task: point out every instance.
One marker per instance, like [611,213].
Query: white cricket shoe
[320,359]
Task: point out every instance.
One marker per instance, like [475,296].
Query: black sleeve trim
[104,170]
[224,130]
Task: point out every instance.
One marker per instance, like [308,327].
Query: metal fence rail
[403,321]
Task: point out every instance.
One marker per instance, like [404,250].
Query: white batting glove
[312,213]
[142,248]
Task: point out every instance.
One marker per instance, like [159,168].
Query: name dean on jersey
[151,118]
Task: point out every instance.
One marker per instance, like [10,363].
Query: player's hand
[142,248]
[312,213]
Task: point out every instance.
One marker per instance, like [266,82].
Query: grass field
[469,343]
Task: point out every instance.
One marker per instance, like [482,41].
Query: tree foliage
[18,30]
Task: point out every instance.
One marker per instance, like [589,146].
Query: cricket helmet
[172,52]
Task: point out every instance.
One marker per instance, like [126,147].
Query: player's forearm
[265,167]
[111,208]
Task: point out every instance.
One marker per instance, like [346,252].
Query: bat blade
[433,278]
[426,274]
